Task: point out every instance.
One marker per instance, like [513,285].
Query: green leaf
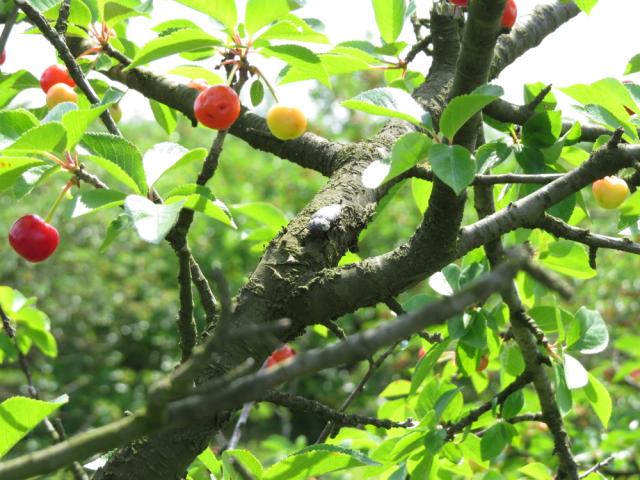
[76,123]
[599,398]
[208,458]
[494,440]
[50,137]
[463,107]
[176,42]
[195,71]
[30,179]
[512,405]
[163,156]
[223,11]
[20,415]
[262,12]
[246,459]
[563,394]
[491,154]
[120,153]
[292,28]
[263,212]
[201,199]
[387,102]
[11,168]
[586,5]
[316,460]
[605,101]
[568,258]
[634,65]
[300,58]
[453,165]
[96,200]
[34,326]
[166,117]
[537,471]
[588,334]
[14,83]
[256,92]
[426,363]
[410,149]
[397,388]
[14,123]
[574,373]
[119,224]
[542,129]
[389,17]
[151,221]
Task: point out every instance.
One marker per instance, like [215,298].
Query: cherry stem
[55,205]
[232,74]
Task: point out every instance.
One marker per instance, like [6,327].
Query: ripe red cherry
[217,107]
[280,355]
[55,74]
[509,15]
[459,3]
[3,56]
[33,238]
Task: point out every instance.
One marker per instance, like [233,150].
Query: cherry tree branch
[205,403]
[337,417]
[561,229]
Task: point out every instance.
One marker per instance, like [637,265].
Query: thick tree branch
[309,151]
[287,271]
[519,114]
[521,328]
[206,403]
[530,32]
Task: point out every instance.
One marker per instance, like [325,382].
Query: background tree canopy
[460,304]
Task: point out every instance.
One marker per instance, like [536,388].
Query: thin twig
[8,26]
[63,17]
[597,467]
[295,402]
[55,428]
[67,57]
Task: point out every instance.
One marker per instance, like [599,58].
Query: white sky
[584,50]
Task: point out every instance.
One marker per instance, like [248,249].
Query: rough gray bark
[292,279]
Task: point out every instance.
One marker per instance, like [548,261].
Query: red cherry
[55,74]
[217,107]
[33,238]
[3,56]
[422,352]
[280,355]
[459,3]
[509,15]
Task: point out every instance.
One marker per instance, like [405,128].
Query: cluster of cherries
[509,15]
[218,107]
